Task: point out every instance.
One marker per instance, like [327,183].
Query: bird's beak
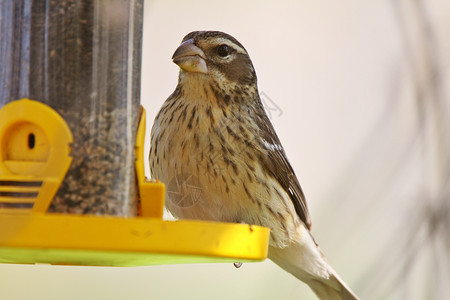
[190,58]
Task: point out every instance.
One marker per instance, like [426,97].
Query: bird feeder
[72,183]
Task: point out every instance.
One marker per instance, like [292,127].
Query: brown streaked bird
[213,135]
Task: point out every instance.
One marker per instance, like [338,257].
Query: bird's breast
[209,158]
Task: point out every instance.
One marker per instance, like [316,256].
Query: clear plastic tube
[82,58]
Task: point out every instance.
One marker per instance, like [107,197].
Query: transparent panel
[82,58]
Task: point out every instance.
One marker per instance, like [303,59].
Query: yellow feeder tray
[106,241]
[28,235]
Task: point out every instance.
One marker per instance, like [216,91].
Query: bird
[214,146]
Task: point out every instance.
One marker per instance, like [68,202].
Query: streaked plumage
[213,131]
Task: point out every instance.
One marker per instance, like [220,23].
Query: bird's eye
[223,50]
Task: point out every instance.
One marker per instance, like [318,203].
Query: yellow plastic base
[30,144]
[111,241]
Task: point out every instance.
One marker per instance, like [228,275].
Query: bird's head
[217,57]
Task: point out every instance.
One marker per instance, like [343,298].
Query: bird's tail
[304,260]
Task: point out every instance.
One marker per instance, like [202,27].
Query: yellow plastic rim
[89,240]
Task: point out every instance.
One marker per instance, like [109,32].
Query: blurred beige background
[359,95]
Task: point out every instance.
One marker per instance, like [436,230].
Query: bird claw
[237,265]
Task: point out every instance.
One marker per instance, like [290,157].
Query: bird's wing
[276,163]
